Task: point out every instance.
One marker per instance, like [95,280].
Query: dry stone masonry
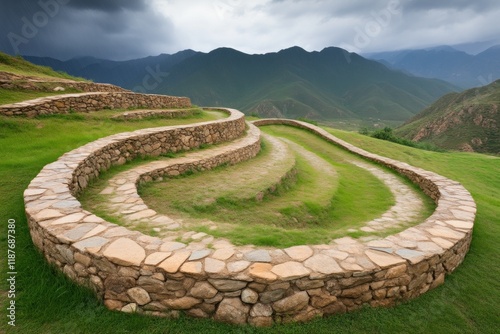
[87,102]
[133,272]
[141,114]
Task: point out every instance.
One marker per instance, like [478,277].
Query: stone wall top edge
[394,257]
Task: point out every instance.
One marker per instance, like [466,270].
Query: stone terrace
[87,102]
[133,272]
[21,82]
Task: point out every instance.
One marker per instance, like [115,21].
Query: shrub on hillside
[387,134]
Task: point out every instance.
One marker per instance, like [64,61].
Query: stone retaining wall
[21,82]
[87,102]
[133,272]
[140,114]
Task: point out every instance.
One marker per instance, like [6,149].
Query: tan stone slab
[258,255]
[262,271]
[445,232]
[413,234]
[142,214]
[125,187]
[107,191]
[290,270]
[429,247]
[155,258]
[48,214]
[468,208]
[163,220]
[199,254]
[460,224]
[323,264]
[350,266]
[237,266]
[94,243]
[173,263]
[299,253]
[223,253]
[93,219]
[193,268]
[95,231]
[411,255]
[345,241]
[336,254]
[198,236]
[118,231]
[214,266]
[382,259]
[77,232]
[33,192]
[125,252]
[72,218]
[171,246]
[459,214]
[443,243]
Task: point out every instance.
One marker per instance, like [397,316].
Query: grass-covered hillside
[467,121]
[21,80]
[328,85]
[18,65]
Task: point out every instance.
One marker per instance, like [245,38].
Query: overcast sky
[127,29]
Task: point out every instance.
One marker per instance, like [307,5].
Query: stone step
[124,202]
[87,102]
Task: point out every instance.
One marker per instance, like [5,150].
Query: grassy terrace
[18,65]
[47,302]
[13,96]
[328,196]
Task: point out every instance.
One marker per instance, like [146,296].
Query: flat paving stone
[125,252]
[290,270]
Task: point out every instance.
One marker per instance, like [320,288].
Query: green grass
[20,66]
[46,302]
[12,96]
[388,134]
[313,207]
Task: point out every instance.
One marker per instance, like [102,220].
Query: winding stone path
[124,201]
[133,272]
[408,204]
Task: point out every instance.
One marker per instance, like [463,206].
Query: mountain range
[446,63]
[467,121]
[292,83]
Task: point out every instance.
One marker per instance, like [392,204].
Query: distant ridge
[292,83]
[446,63]
[467,121]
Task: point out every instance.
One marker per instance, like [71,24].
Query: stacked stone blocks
[133,272]
[93,101]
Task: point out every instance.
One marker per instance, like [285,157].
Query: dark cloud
[108,5]
[125,29]
[114,29]
[478,6]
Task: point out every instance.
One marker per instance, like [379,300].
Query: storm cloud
[126,29]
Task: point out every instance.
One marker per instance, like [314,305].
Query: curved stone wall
[87,102]
[21,82]
[133,272]
[140,114]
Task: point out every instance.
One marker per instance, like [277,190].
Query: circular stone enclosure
[133,272]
